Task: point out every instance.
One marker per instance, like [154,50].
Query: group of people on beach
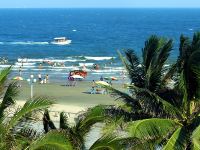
[43,80]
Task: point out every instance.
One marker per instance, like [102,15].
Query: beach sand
[67,98]
[71,100]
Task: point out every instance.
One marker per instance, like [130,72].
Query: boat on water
[61,41]
[79,72]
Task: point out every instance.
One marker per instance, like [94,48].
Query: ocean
[96,36]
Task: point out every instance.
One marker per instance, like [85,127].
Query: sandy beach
[67,98]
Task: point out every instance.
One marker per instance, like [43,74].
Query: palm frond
[119,95]
[133,68]
[178,140]
[133,114]
[47,122]
[173,96]
[191,73]
[151,46]
[184,52]
[156,67]
[149,129]
[3,77]
[109,143]
[169,74]
[151,102]
[31,105]
[63,121]
[196,138]
[164,53]
[91,117]
[195,42]
[112,126]
[52,140]
[9,97]
[25,137]
[29,133]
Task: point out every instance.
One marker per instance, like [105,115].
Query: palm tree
[73,137]
[163,117]
[8,123]
[147,75]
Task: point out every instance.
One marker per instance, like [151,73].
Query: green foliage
[36,103]
[91,117]
[151,128]
[178,140]
[108,143]
[173,112]
[196,138]
[52,140]
[63,121]
[3,78]
[9,97]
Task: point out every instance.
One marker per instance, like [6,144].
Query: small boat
[61,41]
[79,72]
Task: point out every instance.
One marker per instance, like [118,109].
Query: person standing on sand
[101,78]
[93,83]
[20,71]
[39,78]
[47,78]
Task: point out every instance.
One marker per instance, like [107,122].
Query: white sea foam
[27,66]
[98,58]
[4,66]
[24,64]
[27,43]
[25,60]
[86,64]
[16,69]
[106,70]
[74,30]
[102,73]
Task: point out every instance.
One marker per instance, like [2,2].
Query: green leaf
[31,105]
[57,140]
[151,128]
[3,77]
[157,102]
[63,121]
[178,140]
[108,143]
[91,117]
[9,97]
[196,138]
[151,46]
[133,68]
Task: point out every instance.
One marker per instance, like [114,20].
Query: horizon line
[99,7]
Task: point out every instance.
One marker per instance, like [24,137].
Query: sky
[99,3]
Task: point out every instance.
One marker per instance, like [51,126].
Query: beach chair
[100,91]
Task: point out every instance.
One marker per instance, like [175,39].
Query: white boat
[61,41]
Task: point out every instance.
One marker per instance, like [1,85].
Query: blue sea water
[95,33]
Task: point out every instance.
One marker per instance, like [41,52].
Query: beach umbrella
[77,77]
[18,78]
[102,83]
